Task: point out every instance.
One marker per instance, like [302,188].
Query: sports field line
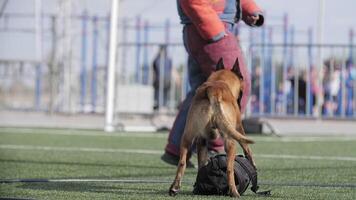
[165,135]
[79,149]
[156,152]
[69,132]
[166,181]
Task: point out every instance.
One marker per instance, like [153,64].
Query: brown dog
[214,113]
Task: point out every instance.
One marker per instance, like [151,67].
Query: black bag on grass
[212,179]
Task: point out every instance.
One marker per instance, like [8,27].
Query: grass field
[94,165]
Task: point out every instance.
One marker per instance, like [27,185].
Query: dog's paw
[234,193]
[173,192]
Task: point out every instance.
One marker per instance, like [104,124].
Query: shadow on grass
[153,190]
[117,189]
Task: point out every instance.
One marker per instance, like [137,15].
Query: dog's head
[236,70]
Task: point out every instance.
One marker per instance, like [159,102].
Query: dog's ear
[236,69]
[220,64]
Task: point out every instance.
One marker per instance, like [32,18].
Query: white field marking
[165,181]
[70,132]
[306,139]
[74,180]
[79,149]
[275,156]
[111,180]
[156,152]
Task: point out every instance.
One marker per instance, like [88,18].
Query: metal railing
[292,80]
[286,81]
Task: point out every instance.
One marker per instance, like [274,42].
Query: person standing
[207,37]
[162,62]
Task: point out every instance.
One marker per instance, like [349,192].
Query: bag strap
[252,173]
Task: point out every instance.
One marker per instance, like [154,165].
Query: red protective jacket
[206,14]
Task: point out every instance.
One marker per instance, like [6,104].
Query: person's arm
[251,14]
[205,18]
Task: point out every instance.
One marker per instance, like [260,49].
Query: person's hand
[252,19]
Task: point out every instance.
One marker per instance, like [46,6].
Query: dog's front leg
[230,147]
[174,189]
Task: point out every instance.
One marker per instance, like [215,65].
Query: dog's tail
[215,97]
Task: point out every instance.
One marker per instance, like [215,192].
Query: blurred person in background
[332,87]
[335,91]
[207,36]
[302,92]
[279,99]
[296,83]
[316,90]
[255,89]
[164,63]
[288,89]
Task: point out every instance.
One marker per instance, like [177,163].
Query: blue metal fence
[294,89]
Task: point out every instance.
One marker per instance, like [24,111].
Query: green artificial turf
[95,155]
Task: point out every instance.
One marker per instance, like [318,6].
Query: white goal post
[110,84]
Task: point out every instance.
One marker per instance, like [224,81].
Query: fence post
[107,28]
[83,71]
[309,103]
[296,71]
[251,68]
[352,35]
[38,38]
[94,63]
[285,63]
[52,66]
[138,49]
[342,105]
[353,107]
[262,105]
[146,64]
[161,69]
[320,31]
[169,62]
[273,71]
[124,49]
[296,90]
[167,31]
[291,42]
[38,83]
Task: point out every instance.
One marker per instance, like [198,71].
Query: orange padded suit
[208,15]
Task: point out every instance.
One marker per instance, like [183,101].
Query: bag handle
[252,173]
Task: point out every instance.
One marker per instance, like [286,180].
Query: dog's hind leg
[230,147]
[246,148]
[184,147]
